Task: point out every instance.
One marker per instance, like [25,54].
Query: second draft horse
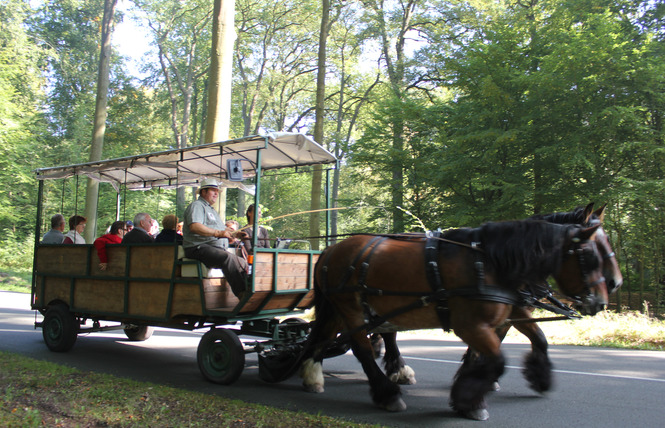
[465,280]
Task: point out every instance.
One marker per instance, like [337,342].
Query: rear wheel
[139,333]
[221,356]
[59,328]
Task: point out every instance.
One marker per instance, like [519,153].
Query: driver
[206,238]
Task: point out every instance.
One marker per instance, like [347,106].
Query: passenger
[114,236]
[55,235]
[233,226]
[130,226]
[154,228]
[139,234]
[206,237]
[264,241]
[168,233]
[76,226]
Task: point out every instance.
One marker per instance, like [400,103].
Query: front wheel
[59,328]
[139,333]
[221,356]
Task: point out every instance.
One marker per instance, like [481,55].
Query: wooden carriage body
[153,284]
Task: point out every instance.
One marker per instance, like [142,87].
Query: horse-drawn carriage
[147,285]
[466,280]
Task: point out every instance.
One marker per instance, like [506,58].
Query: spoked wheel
[221,356]
[139,333]
[59,328]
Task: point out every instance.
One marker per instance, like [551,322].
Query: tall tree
[99,124]
[219,78]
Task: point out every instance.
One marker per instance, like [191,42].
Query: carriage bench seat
[189,268]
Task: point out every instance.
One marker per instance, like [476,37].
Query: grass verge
[38,393]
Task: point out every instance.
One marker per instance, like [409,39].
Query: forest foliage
[443,113]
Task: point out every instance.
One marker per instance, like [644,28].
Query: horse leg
[476,378]
[384,393]
[470,355]
[537,364]
[393,363]
[324,330]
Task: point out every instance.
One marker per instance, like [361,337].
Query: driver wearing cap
[205,237]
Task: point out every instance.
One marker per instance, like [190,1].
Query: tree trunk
[315,217]
[99,127]
[219,88]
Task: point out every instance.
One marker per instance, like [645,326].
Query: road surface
[595,387]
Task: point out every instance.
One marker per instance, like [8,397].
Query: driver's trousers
[234,267]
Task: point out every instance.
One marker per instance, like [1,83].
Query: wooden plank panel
[65,259]
[218,294]
[148,298]
[117,255]
[151,261]
[308,301]
[282,301]
[55,289]
[99,295]
[186,300]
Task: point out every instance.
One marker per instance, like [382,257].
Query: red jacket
[100,244]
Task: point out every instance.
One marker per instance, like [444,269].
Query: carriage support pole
[40,196]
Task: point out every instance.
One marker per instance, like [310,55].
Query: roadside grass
[37,393]
[15,280]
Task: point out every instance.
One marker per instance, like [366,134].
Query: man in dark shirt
[139,234]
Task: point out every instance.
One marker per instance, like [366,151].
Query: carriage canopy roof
[185,167]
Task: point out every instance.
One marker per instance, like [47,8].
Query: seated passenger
[76,226]
[114,236]
[139,234]
[154,228]
[233,226]
[206,238]
[55,235]
[264,241]
[168,233]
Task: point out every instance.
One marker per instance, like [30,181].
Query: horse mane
[523,252]
[575,216]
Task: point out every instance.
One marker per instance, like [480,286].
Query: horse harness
[439,295]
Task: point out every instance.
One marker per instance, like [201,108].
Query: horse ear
[600,212]
[588,212]
[586,233]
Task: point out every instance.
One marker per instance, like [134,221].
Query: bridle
[578,250]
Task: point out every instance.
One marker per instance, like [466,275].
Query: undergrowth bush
[610,329]
[16,253]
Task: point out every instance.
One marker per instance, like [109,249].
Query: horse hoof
[496,386]
[315,388]
[478,414]
[396,406]
[406,376]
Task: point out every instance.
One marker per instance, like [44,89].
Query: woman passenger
[114,236]
[76,226]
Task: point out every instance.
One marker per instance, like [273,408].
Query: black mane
[569,217]
[523,252]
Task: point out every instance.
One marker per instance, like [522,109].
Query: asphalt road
[595,387]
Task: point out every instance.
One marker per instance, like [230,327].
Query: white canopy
[184,167]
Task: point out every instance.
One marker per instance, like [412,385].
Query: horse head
[581,274]
[588,217]
[611,271]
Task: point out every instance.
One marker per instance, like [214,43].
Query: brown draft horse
[537,364]
[468,285]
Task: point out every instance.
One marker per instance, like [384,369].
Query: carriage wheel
[221,356]
[59,328]
[139,333]
[299,327]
